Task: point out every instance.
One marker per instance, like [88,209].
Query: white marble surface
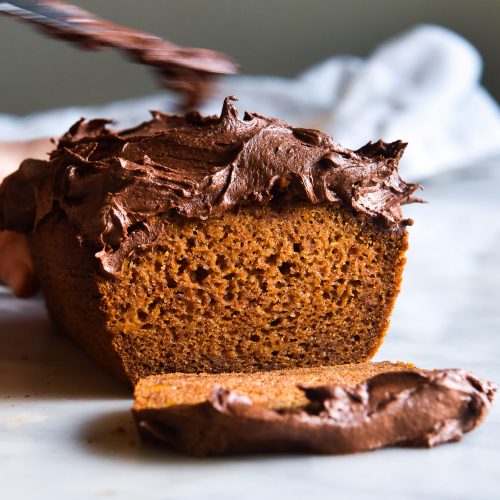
[66,431]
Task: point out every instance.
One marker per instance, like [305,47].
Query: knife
[181,68]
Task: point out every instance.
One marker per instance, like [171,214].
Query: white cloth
[422,87]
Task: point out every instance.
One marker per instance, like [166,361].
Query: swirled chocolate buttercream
[112,184]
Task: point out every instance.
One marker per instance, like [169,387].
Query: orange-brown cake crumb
[257,289]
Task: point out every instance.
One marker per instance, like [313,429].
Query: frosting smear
[190,71]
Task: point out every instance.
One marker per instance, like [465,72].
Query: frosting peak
[111,183]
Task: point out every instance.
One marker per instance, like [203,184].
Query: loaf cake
[214,244]
[334,410]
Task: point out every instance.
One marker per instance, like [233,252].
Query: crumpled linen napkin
[422,87]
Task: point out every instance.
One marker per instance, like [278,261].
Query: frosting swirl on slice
[406,408]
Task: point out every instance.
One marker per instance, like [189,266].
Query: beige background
[265,36]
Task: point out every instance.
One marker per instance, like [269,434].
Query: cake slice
[214,244]
[330,410]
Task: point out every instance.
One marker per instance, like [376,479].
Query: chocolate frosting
[191,71]
[112,185]
[409,408]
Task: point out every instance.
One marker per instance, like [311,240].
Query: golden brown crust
[274,389]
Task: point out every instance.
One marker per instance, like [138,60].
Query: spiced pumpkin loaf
[214,244]
[337,409]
